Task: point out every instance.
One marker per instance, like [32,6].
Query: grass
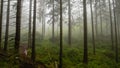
[48,54]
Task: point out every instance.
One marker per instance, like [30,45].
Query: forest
[59,33]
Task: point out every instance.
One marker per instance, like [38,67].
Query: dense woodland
[59,33]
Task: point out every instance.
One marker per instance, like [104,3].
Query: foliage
[48,54]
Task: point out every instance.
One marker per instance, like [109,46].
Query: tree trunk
[118,26]
[111,25]
[85,57]
[69,24]
[101,24]
[34,33]
[18,25]
[53,31]
[42,27]
[7,26]
[61,34]
[1,17]
[96,21]
[116,38]
[29,32]
[93,36]
[43,22]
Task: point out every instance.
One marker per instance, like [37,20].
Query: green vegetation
[48,54]
[59,34]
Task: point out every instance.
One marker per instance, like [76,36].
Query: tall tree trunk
[34,33]
[69,24]
[44,26]
[116,38]
[29,32]
[118,26]
[93,36]
[43,23]
[1,17]
[18,25]
[61,34]
[53,22]
[85,57]
[7,26]
[111,25]
[101,24]
[96,20]
[43,19]
[106,25]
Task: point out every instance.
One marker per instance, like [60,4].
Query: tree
[53,31]
[101,24]
[18,25]
[111,25]
[96,19]
[93,37]
[116,37]
[34,33]
[69,24]
[61,43]
[55,10]
[43,19]
[30,16]
[7,26]
[42,7]
[85,57]
[1,17]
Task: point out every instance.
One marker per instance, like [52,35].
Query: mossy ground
[48,54]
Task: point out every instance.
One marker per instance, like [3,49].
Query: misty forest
[59,33]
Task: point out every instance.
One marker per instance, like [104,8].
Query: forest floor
[47,54]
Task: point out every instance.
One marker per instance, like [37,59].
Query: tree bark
[43,21]
[1,17]
[7,26]
[96,21]
[85,57]
[61,34]
[93,36]
[116,37]
[34,33]
[18,25]
[29,32]
[101,24]
[53,22]
[69,24]
[111,25]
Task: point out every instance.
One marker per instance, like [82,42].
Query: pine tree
[34,33]
[69,24]
[93,36]
[29,32]
[85,57]
[7,26]
[111,25]
[61,34]
[53,23]
[18,25]
[116,37]
[1,17]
